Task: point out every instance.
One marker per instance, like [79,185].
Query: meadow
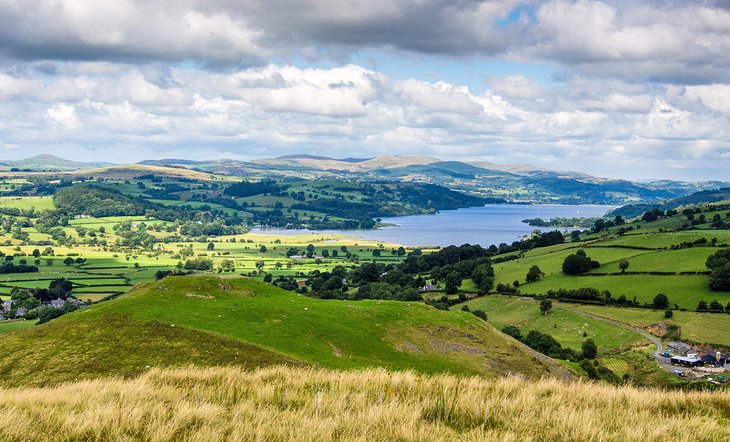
[684,290]
[682,260]
[570,329]
[27,202]
[657,240]
[654,267]
[551,260]
[14,325]
[710,328]
[289,403]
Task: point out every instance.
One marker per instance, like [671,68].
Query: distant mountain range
[514,182]
[511,182]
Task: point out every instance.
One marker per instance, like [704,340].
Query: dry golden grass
[208,404]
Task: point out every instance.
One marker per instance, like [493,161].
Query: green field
[665,239]
[683,260]
[565,326]
[551,262]
[685,290]
[681,274]
[711,328]
[618,366]
[101,281]
[14,325]
[93,296]
[27,202]
[81,291]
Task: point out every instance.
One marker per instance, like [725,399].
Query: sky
[624,89]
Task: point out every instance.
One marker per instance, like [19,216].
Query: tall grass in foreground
[281,403]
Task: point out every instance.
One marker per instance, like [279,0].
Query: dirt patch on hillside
[447,346]
[199,296]
[335,351]
[664,330]
[408,347]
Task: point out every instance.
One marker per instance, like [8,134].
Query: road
[658,355]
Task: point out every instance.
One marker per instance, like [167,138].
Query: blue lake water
[490,224]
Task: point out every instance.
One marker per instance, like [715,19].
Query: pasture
[38,203]
[657,240]
[682,260]
[710,328]
[15,325]
[570,329]
[551,262]
[684,290]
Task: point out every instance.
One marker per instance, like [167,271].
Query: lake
[487,225]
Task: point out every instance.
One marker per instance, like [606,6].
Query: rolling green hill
[704,196]
[206,320]
[51,163]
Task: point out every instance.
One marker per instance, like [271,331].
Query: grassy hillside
[87,347]
[709,195]
[207,320]
[565,326]
[308,404]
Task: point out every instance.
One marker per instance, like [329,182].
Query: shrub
[512,331]
[480,314]
[589,350]
[715,306]
[534,274]
[660,301]
[545,306]
[719,264]
[578,263]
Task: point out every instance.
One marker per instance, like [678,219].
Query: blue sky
[618,89]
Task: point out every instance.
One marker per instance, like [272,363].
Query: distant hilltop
[49,163]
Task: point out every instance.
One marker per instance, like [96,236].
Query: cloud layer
[641,91]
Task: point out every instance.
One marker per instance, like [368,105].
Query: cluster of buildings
[687,356]
[7,311]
